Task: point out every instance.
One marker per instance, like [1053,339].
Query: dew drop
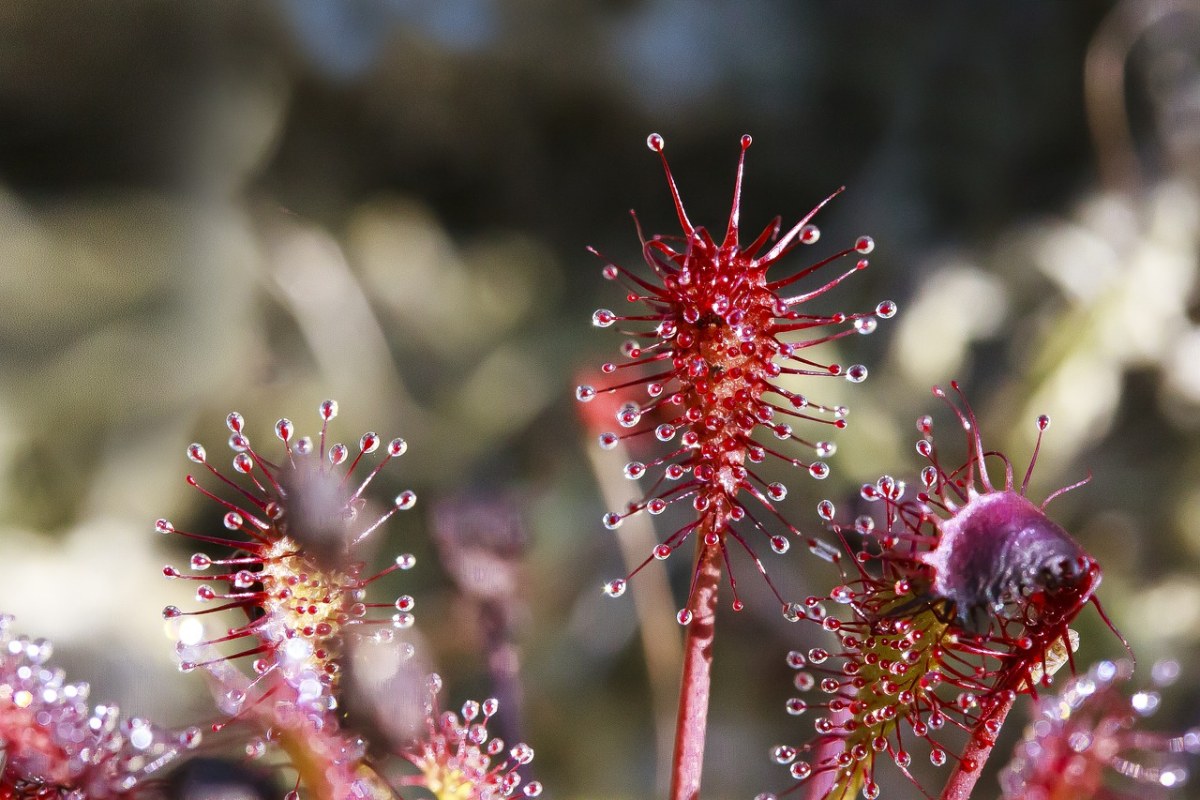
[866,325]
[864,244]
[842,594]
[629,415]
[615,588]
[585,393]
[603,318]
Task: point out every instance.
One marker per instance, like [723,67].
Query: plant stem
[979,748]
[692,722]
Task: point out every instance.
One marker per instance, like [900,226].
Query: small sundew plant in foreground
[957,600]
[1089,742]
[54,745]
[293,575]
[458,759]
[711,357]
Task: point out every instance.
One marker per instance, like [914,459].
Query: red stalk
[692,722]
[963,780]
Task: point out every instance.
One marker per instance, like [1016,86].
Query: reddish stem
[979,748]
[692,722]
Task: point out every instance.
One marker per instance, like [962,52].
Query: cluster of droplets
[945,620]
[458,759]
[52,743]
[1089,741]
[712,352]
[292,572]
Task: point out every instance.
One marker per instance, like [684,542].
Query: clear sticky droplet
[856,373]
[603,318]
[368,442]
[615,588]
[684,617]
[235,422]
[819,470]
[195,452]
[864,245]
[285,430]
[611,520]
[585,394]
[809,234]
[328,409]
[825,510]
[406,499]
[655,142]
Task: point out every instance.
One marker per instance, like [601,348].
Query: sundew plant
[768,401]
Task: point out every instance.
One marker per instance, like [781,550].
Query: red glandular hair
[956,601]
[712,356]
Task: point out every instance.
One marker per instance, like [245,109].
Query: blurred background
[255,206]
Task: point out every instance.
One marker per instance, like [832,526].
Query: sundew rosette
[1093,741]
[457,758]
[292,568]
[53,744]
